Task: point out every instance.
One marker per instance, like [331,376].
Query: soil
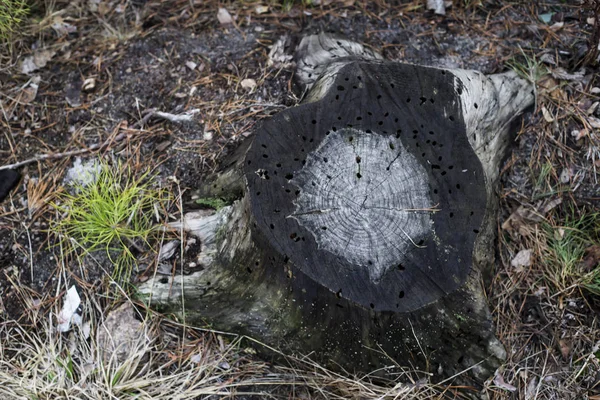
[175,56]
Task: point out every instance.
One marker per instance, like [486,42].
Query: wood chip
[437,6]
[261,9]
[89,84]
[163,146]
[191,65]
[224,17]
[168,250]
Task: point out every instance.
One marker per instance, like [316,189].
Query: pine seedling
[113,213]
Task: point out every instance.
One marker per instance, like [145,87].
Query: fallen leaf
[122,337]
[595,90]
[561,73]
[565,348]
[578,134]
[70,306]
[73,93]
[196,358]
[278,55]
[531,389]
[248,83]
[499,381]
[565,175]
[520,218]
[224,17]
[437,6]
[38,60]
[546,18]
[559,234]
[549,206]
[29,93]
[594,122]
[522,259]
[61,27]
[547,116]
[591,258]
[548,58]
[557,26]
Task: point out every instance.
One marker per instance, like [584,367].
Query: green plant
[113,212]
[12,13]
[212,202]
[564,253]
[528,67]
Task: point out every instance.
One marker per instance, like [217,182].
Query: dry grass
[546,312]
[167,362]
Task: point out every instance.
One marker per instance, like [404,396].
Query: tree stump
[367,218]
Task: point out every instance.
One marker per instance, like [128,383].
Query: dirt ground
[106,64]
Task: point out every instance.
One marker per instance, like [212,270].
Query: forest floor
[89,80]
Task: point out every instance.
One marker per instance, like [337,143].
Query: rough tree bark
[365,219]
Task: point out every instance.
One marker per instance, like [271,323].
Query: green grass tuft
[114,214]
[565,252]
[12,13]
[528,67]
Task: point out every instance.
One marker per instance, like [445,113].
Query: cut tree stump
[366,218]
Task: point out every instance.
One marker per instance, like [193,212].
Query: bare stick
[43,157]
[187,116]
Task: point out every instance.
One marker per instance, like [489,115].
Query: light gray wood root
[320,57]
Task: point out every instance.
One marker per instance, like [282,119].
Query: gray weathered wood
[367,220]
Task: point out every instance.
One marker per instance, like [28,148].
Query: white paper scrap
[72,302]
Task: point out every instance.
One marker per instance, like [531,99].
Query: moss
[212,202]
[460,317]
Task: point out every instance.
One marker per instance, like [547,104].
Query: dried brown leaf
[591,258]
